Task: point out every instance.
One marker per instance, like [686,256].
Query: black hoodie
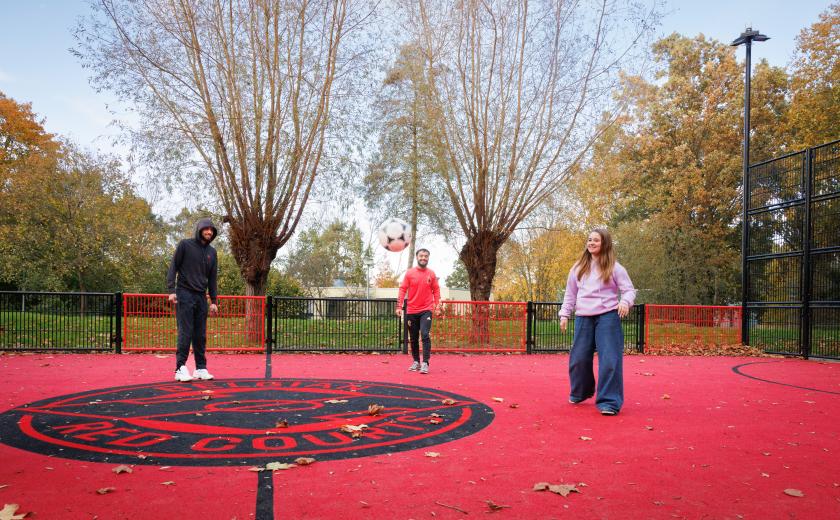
[194,263]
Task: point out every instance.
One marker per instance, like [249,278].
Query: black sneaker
[606,411]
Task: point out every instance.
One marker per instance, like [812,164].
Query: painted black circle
[240,421]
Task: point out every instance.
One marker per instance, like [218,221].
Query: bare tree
[239,92]
[521,88]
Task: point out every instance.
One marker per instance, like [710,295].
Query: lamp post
[747,37]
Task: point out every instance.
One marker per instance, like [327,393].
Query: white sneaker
[414,366]
[424,368]
[202,373]
[183,375]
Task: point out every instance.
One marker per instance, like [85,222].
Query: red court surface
[698,437]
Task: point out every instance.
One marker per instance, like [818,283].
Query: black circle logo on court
[241,421]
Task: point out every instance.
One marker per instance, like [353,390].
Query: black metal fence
[545,336]
[38,321]
[793,256]
[333,325]
[92,322]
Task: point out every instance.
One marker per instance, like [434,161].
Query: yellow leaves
[374,409]
[105,490]
[448,402]
[304,461]
[794,493]
[281,423]
[122,469]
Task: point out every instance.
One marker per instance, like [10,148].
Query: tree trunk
[479,256]
[254,248]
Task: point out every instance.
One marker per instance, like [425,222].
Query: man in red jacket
[423,299]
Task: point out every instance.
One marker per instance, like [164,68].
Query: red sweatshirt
[423,290]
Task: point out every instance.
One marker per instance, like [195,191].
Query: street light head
[749,35]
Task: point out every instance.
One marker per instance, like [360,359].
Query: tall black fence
[792,260]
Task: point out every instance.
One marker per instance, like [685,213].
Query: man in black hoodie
[195,267]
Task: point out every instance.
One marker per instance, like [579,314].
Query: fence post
[269,315]
[404,327]
[529,327]
[640,328]
[118,311]
[805,316]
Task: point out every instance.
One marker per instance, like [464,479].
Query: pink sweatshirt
[423,290]
[591,297]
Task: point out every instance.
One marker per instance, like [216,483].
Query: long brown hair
[606,258]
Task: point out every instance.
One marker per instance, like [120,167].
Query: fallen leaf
[563,489]
[304,461]
[122,469]
[647,373]
[374,409]
[666,396]
[8,512]
[513,405]
[499,399]
[168,483]
[435,415]
[585,438]
[106,490]
[432,454]
[648,427]
[448,401]
[274,466]
[159,356]
[765,475]
[256,469]
[281,423]
[206,397]
[560,489]
[364,504]
[354,431]
[435,420]
[141,456]
[336,401]
[495,507]
[207,391]
[794,492]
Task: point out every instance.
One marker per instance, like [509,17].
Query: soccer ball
[394,235]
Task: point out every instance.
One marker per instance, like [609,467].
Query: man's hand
[399,312]
[564,323]
[623,309]
[173,298]
[214,309]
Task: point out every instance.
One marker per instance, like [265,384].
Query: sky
[36,67]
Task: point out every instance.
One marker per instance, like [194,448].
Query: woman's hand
[564,323]
[623,309]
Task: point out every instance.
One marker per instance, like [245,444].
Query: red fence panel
[149,324]
[467,326]
[687,324]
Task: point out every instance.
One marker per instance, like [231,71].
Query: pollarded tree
[519,88]
[237,93]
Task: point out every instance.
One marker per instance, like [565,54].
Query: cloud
[5,77]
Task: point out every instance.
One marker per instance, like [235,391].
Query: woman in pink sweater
[599,292]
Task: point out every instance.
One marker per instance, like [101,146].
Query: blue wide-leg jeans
[603,330]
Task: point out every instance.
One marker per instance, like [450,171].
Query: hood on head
[205,223]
